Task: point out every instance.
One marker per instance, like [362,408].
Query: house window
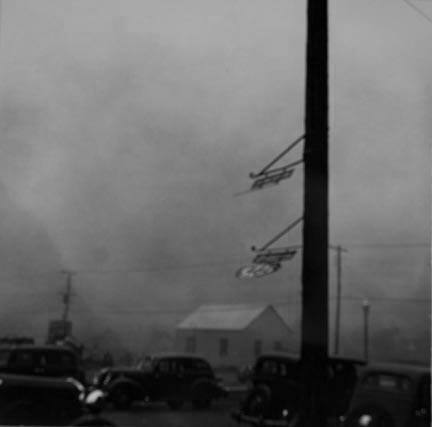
[190,345]
[257,348]
[277,346]
[223,347]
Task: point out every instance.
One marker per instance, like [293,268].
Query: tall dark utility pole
[314,341]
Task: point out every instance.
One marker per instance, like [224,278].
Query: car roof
[279,355]
[31,347]
[296,357]
[32,380]
[174,355]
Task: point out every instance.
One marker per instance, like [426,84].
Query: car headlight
[99,377]
[365,420]
[96,379]
[79,386]
[108,377]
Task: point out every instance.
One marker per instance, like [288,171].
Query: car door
[341,381]
[188,372]
[165,380]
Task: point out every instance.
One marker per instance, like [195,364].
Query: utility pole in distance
[339,250]
[67,294]
[366,310]
[314,339]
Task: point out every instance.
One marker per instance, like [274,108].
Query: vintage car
[391,395]
[171,378]
[48,361]
[36,400]
[277,388]
[30,400]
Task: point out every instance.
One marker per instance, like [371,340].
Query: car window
[59,359]
[146,364]
[176,366]
[202,365]
[288,370]
[195,365]
[4,357]
[163,366]
[268,367]
[388,382]
[277,368]
[24,359]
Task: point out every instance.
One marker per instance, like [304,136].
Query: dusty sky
[128,126]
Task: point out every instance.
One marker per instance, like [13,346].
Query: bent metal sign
[257,270]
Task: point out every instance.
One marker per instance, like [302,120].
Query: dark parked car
[35,400]
[31,400]
[172,378]
[390,395]
[276,391]
[50,361]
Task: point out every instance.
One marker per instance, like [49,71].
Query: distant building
[233,335]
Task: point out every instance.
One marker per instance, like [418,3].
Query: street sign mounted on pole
[274,256]
[268,260]
[272,177]
[257,270]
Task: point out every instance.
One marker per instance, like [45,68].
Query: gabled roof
[224,317]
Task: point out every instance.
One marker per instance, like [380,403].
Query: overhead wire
[232,260]
[418,10]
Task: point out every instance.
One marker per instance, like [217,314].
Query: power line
[388,299]
[418,10]
[389,245]
[219,263]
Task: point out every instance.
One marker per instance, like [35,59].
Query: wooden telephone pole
[314,340]
[67,294]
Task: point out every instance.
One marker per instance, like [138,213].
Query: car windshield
[282,368]
[146,364]
[59,358]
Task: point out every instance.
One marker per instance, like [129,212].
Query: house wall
[268,328]
[272,332]
[208,344]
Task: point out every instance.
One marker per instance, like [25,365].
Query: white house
[233,335]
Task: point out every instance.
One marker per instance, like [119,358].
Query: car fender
[370,413]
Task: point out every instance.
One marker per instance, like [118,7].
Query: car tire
[175,405]
[258,401]
[121,398]
[202,393]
